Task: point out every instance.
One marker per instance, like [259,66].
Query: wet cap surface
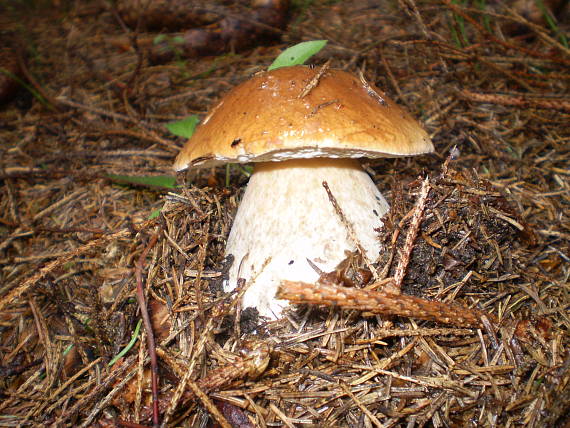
[272,117]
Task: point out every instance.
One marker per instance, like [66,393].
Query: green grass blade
[20,82]
[131,343]
[552,23]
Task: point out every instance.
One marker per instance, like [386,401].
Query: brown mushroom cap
[266,119]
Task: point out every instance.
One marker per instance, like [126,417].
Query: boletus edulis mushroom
[302,126]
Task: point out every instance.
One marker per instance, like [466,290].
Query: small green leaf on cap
[298,54]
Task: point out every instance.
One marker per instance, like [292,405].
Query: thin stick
[411,236]
[315,80]
[350,230]
[208,404]
[520,101]
[360,405]
[148,328]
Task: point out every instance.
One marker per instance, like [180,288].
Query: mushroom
[302,127]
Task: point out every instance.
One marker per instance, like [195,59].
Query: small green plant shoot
[185,127]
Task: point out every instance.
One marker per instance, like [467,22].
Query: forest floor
[490,84]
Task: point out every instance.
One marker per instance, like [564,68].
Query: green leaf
[155,213]
[159,39]
[167,181]
[185,127]
[297,54]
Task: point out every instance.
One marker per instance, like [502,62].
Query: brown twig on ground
[411,235]
[148,327]
[208,404]
[381,302]
[127,424]
[360,405]
[518,101]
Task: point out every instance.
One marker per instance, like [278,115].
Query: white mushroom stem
[286,217]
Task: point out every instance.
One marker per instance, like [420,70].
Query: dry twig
[350,230]
[315,80]
[380,302]
[411,235]
[520,101]
[148,327]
